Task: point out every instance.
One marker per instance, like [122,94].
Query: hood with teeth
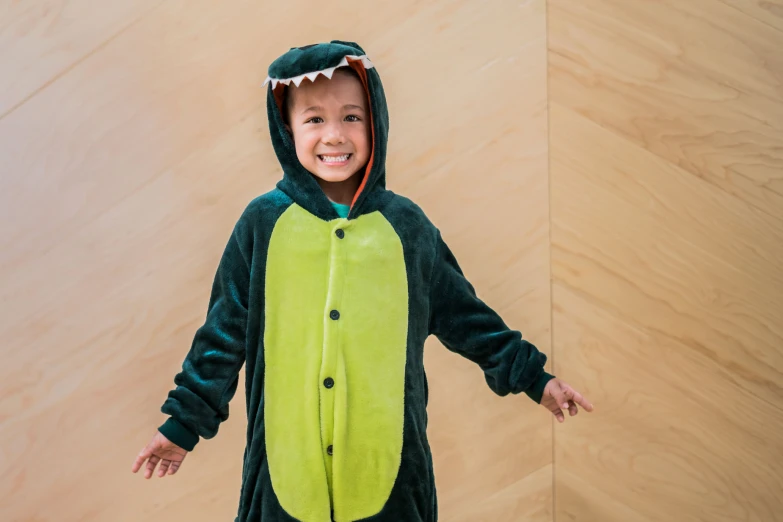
[306,64]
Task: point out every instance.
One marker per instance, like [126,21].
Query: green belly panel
[310,273]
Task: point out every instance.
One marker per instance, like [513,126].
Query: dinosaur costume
[329,314]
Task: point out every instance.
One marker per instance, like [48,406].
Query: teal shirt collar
[342,210]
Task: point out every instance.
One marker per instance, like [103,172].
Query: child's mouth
[335,161]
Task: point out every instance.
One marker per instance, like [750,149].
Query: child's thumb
[559,395]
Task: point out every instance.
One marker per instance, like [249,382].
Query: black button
[328,382]
[334,314]
[329,449]
[340,233]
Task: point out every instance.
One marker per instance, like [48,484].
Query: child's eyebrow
[316,108]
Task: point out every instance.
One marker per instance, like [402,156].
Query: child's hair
[287,103]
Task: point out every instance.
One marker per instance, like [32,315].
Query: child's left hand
[559,396]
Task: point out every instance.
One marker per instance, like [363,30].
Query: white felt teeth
[314,74]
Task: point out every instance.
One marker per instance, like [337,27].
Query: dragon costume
[329,316]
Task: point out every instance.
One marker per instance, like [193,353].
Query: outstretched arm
[468,326]
[209,375]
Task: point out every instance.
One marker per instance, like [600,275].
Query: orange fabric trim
[359,68]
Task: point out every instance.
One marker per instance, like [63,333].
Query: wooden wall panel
[132,136]
[667,246]
[483,176]
[42,41]
[769,12]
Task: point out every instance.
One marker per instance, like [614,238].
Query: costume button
[328,382]
[340,233]
[329,449]
[334,314]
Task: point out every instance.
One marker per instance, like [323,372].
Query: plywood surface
[666,124]
[133,134]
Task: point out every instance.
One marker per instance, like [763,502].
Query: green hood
[298,183]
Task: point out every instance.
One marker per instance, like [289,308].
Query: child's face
[330,125]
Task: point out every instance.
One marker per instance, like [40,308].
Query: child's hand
[160,449]
[559,396]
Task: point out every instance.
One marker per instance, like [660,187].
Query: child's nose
[334,134]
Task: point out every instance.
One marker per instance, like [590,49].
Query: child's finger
[144,455]
[174,467]
[559,415]
[151,466]
[579,399]
[164,467]
[587,405]
[560,398]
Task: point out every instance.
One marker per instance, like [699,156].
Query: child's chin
[336,176]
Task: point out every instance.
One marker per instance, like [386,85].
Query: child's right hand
[160,449]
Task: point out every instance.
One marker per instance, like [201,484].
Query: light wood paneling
[43,40]
[485,152]
[769,12]
[697,83]
[667,247]
[133,137]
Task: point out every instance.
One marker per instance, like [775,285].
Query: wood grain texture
[667,247]
[482,178]
[769,12]
[43,40]
[135,133]
[697,83]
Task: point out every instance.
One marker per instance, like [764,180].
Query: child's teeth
[335,159]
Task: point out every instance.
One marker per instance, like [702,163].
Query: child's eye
[355,118]
[314,118]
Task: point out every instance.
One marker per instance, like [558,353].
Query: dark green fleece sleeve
[209,375]
[468,326]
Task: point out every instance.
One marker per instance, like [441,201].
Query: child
[327,289]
